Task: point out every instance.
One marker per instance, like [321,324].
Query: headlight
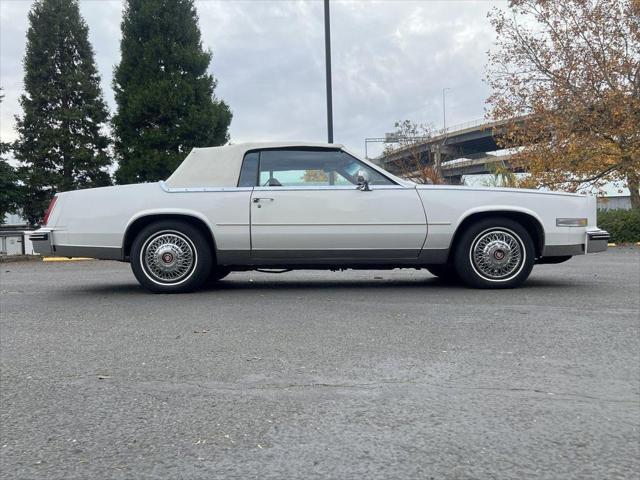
[571,222]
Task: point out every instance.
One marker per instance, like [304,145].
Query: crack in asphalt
[367,385]
[373,385]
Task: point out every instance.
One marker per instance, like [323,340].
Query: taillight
[52,204]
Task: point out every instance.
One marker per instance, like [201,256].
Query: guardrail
[461,126]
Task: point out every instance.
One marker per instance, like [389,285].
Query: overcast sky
[391,60]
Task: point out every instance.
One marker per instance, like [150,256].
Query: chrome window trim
[168,189]
[326,187]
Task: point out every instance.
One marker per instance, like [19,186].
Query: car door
[307,205]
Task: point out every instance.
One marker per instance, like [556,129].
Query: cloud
[390,62]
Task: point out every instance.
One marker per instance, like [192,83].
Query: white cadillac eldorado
[300,205]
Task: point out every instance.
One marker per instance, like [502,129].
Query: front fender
[497,209]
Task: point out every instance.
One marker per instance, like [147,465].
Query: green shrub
[623,225]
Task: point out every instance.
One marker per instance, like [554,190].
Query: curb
[19,258]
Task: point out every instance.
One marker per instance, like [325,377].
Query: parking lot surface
[366,374]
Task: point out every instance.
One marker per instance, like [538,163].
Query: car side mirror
[363,180]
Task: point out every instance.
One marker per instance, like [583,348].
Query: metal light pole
[327,53]
[444,110]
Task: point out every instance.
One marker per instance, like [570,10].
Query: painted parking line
[65,259]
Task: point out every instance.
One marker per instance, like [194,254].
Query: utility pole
[444,111]
[327,53]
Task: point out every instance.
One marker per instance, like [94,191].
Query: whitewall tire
[171,256]
[494,252]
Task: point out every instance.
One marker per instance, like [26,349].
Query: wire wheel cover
[497,254]
[168,257]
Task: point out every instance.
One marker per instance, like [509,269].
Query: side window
[290,167]
[351,165]
[249,170]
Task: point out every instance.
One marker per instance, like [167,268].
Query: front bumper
[594,241]
[597,241]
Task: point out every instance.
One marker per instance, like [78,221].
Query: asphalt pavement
[309,375]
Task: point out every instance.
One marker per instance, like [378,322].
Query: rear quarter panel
[99,217]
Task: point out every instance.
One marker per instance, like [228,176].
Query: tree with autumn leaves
[570,71]
[410,159]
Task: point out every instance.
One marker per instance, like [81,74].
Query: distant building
[14,236]
[621,202]
[13,220]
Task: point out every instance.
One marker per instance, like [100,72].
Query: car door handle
[258,200]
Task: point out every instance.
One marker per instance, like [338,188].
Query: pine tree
[60,144]
[165,97]
[10,189]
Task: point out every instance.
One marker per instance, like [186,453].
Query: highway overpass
[459,150]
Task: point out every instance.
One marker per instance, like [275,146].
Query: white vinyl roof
[220,166]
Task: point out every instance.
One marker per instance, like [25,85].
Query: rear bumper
[41,240]
[44,245]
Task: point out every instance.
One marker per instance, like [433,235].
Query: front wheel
[171,256]
[494,253]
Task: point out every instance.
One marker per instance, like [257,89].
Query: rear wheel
[494,253]
[171,256]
